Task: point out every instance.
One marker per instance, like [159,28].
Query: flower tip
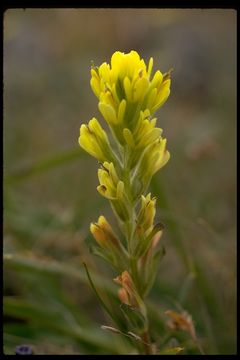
[93,228]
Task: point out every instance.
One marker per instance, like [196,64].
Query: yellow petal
[128,88]
[151,98]
[163,94]
[121,111]
[104,72]
[127,134]
[140,88]
[150,66]
[157,79]
[95,85]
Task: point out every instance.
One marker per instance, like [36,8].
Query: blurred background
[50,192]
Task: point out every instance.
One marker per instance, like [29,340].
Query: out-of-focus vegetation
[49,183]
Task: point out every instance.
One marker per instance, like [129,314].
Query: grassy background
[49,183]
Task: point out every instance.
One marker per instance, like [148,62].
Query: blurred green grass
[49,183]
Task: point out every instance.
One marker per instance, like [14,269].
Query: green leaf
[32,263]
[153,268]
[103,254]
[106,308]
[43,317]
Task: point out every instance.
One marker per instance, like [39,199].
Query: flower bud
[146,215]
[103,234]
[123,296]
[109,180]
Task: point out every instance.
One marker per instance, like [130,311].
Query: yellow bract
[153,159]
[146,215]
[94,140]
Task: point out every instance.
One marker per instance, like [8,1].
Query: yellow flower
[110,185]
[103,234]
[123,296]
[153,159]
[94,140]
[112,188]
[125,88]
[146,215]
[144,134]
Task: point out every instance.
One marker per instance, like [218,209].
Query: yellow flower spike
[125,85]
[129,93]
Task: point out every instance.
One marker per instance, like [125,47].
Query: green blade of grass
[206,291]
[44,317]
[43,165]
[31,262]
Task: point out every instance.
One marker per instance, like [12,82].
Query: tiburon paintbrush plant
[128,96]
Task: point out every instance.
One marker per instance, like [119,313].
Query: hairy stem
[133,261]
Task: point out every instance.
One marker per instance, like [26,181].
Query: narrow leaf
[98,296]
